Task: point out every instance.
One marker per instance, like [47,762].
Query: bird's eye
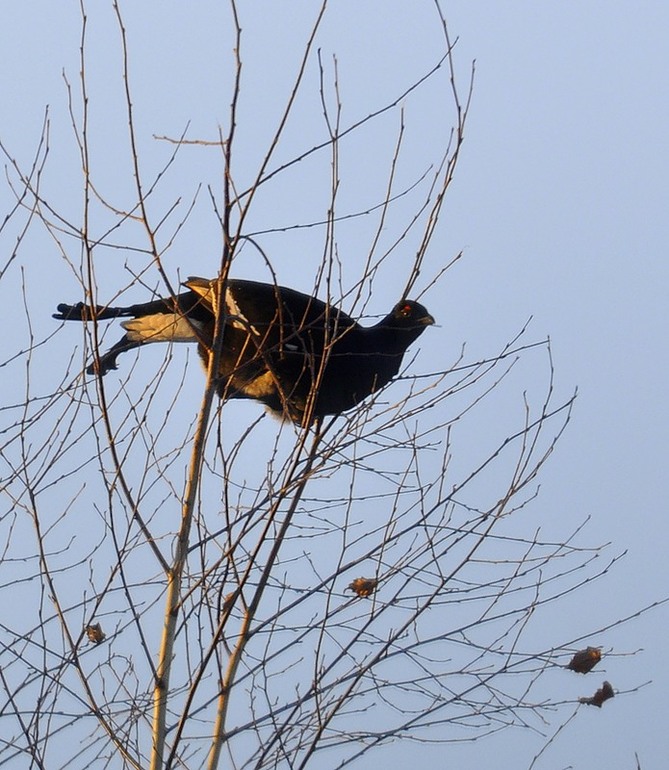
[406,310]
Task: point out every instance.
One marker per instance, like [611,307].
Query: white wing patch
[237,318]
[204,288]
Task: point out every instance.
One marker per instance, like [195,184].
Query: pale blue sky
[560,204]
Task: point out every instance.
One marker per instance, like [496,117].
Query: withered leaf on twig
[604,693]
[228,601]
[364,586]
[95,633]
[585,660]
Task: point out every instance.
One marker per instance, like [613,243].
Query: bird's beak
[427,320]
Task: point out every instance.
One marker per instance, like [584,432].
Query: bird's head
[408,314]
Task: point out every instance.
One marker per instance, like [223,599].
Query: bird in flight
[301,357]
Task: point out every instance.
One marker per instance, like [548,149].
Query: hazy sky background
[560,204]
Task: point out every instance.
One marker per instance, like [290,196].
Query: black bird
[299,356]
